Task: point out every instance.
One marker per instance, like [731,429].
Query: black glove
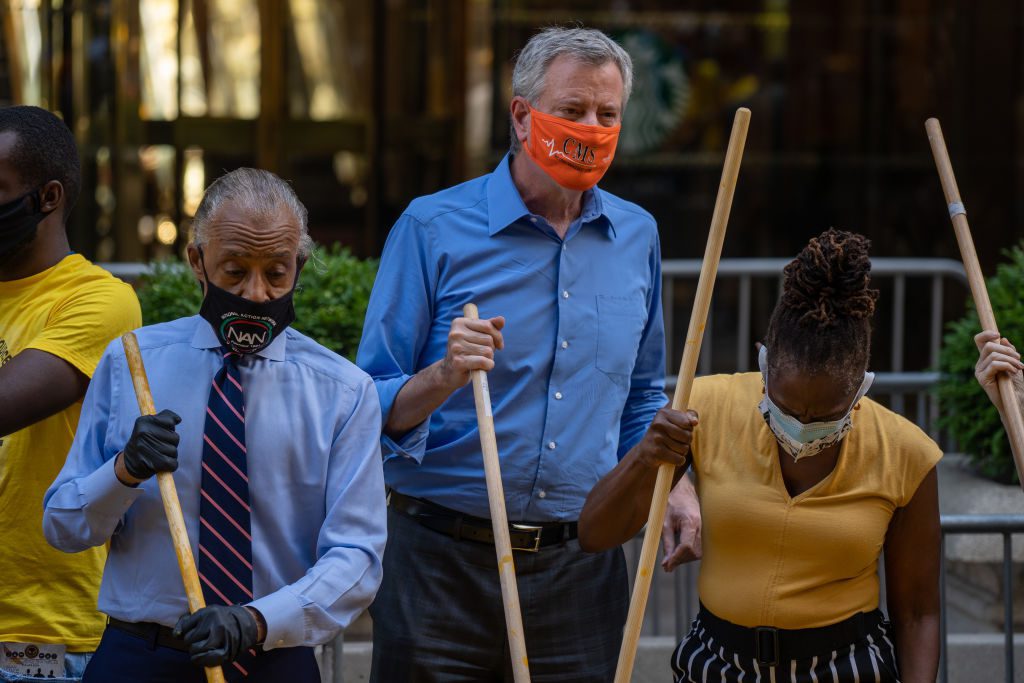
[217,634]
[153,446]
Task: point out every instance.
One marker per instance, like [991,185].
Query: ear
[195,263]
[51,196]
[520,110]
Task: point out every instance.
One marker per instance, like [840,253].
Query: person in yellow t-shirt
[58,312]
[803,482]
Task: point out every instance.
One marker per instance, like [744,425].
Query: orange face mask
[575,155]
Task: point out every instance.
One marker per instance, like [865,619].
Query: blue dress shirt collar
[206,338]
[505,206]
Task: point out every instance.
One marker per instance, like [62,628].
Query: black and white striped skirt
[700,659]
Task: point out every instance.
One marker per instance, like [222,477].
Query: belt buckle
[762,633]
[529,528]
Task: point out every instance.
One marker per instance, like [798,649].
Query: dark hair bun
[829,280]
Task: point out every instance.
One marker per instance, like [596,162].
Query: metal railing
[1006,525]
[683,586]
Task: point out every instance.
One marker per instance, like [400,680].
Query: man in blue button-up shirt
[567,278]
[277,466]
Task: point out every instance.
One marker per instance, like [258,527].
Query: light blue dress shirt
[312,432]
[582,372]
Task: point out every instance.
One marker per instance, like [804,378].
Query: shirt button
[565,344]
[551,445]
[565,293]
[280,643]
[558,395]
[542,494]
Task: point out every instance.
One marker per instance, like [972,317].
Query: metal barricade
[1005,525]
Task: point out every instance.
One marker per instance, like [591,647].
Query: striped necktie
[225,540]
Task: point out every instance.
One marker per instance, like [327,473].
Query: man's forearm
[417,399]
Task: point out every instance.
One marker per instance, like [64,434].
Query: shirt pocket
[620,323]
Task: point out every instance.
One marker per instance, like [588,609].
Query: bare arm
[471,346]
[617,506]
[34,385]
[912,560]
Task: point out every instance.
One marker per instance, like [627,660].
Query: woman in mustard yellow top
[803,483]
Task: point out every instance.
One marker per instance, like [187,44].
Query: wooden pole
[169,494]
[499,520]
[1011,414]
[687,370]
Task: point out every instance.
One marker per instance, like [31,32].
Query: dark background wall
[839,92]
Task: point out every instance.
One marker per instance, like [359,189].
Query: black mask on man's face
[19,222]
[242,325]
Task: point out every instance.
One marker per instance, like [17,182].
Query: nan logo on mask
[246,334]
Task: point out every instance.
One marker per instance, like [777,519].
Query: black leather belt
[154,634]
[524,536]
[770,646]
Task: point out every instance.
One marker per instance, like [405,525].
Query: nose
[590,117]
[256,289]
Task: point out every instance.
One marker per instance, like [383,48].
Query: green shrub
[967,413]
[330,301]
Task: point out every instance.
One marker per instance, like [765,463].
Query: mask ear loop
[202,262]
[35,197]
[300,263]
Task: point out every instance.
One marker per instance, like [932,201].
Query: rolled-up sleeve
[397,324]
[647,383]
[86,503]
[350,546]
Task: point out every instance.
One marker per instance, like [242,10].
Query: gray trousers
[438,615]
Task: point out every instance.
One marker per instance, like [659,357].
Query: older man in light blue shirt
[277,467]
[567,279]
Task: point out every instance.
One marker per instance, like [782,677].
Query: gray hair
[586,45]
[260,192]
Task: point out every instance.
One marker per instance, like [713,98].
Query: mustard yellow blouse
[774,560]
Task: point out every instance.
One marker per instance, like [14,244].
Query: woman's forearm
[917,648]
[617,506]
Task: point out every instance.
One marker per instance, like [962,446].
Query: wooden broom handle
[1011,413]
[169,495]
[499,520]
[681,398]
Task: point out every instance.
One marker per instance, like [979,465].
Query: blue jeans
[74,667]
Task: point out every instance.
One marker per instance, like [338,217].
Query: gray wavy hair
[261,192]
[586,45]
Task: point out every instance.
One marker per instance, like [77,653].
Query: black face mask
[242,325]
[19,221]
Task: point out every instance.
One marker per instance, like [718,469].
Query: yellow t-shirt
[803,562]
[72,310]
